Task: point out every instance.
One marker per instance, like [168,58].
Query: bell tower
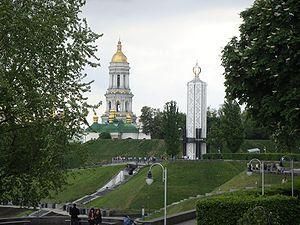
[118,95]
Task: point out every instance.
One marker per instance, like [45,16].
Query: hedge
[249,156]
[227,210]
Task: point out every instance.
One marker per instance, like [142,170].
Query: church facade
[118,118]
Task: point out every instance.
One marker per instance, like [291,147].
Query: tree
[151,119]
[253,130]
[147,118]
[262,67]
[231,125]
[44,46]
[171,128]
[157,127]
[215,139]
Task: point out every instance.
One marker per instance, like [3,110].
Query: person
[127,221]
[98,217]
[74,212]
[91,216]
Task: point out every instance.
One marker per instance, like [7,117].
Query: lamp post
[250,171]
[149,181]
[292,170]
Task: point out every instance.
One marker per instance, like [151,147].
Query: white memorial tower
[196,117]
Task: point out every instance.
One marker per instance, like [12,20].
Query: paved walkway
[190,222]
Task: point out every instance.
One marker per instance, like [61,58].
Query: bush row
[249,156]
[228,210]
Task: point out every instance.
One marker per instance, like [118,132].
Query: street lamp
[250,171]
[292,170]
[149,181]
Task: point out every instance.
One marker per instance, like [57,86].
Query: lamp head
[149,179]
[249,170]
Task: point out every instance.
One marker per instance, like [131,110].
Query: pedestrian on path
[74,212]
[98,217]
[91,216]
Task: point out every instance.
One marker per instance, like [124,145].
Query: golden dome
[119,55]
[128,118]
[95,118]
[112,115]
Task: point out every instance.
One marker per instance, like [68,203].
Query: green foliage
[44,46]
[152,122]
[147,119]
[171,128]
[76,156]
[252,129]
[259,216]
[267,146]
[214,132]
[228,210]
[104,135]
[262,67]
[249,156]
[231,125]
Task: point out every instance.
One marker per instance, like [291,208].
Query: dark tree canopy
[151,119]
[44,46]
[262,67]
[231,125]
[171,128]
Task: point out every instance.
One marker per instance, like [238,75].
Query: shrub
[228,210]
[104,135]
[249,156]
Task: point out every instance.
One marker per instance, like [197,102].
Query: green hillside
[185,179]
[81,182]
[104,150]
[273,186]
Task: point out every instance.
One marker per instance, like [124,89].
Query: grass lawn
[84,181]
[240,181]
[185,179]
[105,150]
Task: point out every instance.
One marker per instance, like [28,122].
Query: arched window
[109,105]
[126,106]
[118,106]
[118,81]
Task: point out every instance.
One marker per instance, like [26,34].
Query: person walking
[91,216]
[98,217]
[74,212]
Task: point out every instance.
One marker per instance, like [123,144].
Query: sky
[163,40]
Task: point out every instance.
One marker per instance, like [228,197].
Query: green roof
[116,127]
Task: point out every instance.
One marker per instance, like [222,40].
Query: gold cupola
[119,55]
[112,115]
[95,118]
[128,119]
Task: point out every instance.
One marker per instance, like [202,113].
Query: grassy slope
[84,181]
[240,181]
[104,150]
[185,179]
